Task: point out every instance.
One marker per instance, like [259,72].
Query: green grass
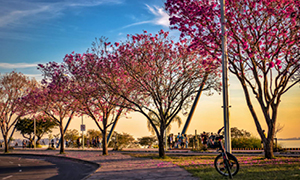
[251,167]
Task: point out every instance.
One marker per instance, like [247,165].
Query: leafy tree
[147,140]
[154,74]
[95,100]
[13,86]
[122,140]
[53,98]
[43,126]
[93,133]
[263,48]
[236,133]
[72,135]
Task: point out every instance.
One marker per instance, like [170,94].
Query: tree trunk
[268,149]
[5,144]
[62,139]
[267,141]
[104,142]
[161,148]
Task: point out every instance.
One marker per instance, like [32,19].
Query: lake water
[289,143]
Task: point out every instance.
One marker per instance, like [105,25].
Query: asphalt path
[21,167]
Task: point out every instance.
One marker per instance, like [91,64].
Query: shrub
[246,142]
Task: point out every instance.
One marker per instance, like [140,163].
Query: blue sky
[39,31]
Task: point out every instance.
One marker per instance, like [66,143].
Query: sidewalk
[117,166]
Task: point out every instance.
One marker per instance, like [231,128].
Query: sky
[40,31]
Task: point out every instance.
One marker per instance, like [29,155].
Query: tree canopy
[263,47]
[13,86]
[43,126]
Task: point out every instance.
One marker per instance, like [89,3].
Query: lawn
[251,167]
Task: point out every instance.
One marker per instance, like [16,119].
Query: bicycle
[225,163]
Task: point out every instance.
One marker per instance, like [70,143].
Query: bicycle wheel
[221,167]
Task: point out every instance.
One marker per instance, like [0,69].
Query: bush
[155,146]
[244,142]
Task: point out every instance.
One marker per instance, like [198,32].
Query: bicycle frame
[226,161]
[223,151]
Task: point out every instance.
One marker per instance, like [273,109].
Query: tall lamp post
[225,80]
[82,130]
[34,127]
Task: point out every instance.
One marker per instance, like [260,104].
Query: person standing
[178,140]
[170,141]
[88,142]
[186,141]
[204,138]
[98,142]
[52,143]
[182,141]
[211,140]
[78,142]
[24,143]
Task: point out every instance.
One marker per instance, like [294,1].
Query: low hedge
[249,142]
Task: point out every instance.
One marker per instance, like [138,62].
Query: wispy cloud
[16,65]
[161,17]
[21,12]
[37,77]
[135,24]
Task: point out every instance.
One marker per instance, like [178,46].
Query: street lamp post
[34,127]
[225,80]
[82,130]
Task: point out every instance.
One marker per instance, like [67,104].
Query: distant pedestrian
[178,140]
[93,142]
[186,139]
[182,141]
[98,143]
[24,143]
[78,142]
[52,143]
[67,143]
[211,140]
[204,138]
[88,143]
[171,139]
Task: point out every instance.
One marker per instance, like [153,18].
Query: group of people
[181,140]
[207,139]
[95,142]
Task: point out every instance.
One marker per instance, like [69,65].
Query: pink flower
[117,44]
[278,62]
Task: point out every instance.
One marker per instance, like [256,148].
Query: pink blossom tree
[94,98]
[159,77]
[13,86]
[263,47]
[53,99]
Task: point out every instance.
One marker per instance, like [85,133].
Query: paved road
[17,167]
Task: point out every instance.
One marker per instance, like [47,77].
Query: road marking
[7,177]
